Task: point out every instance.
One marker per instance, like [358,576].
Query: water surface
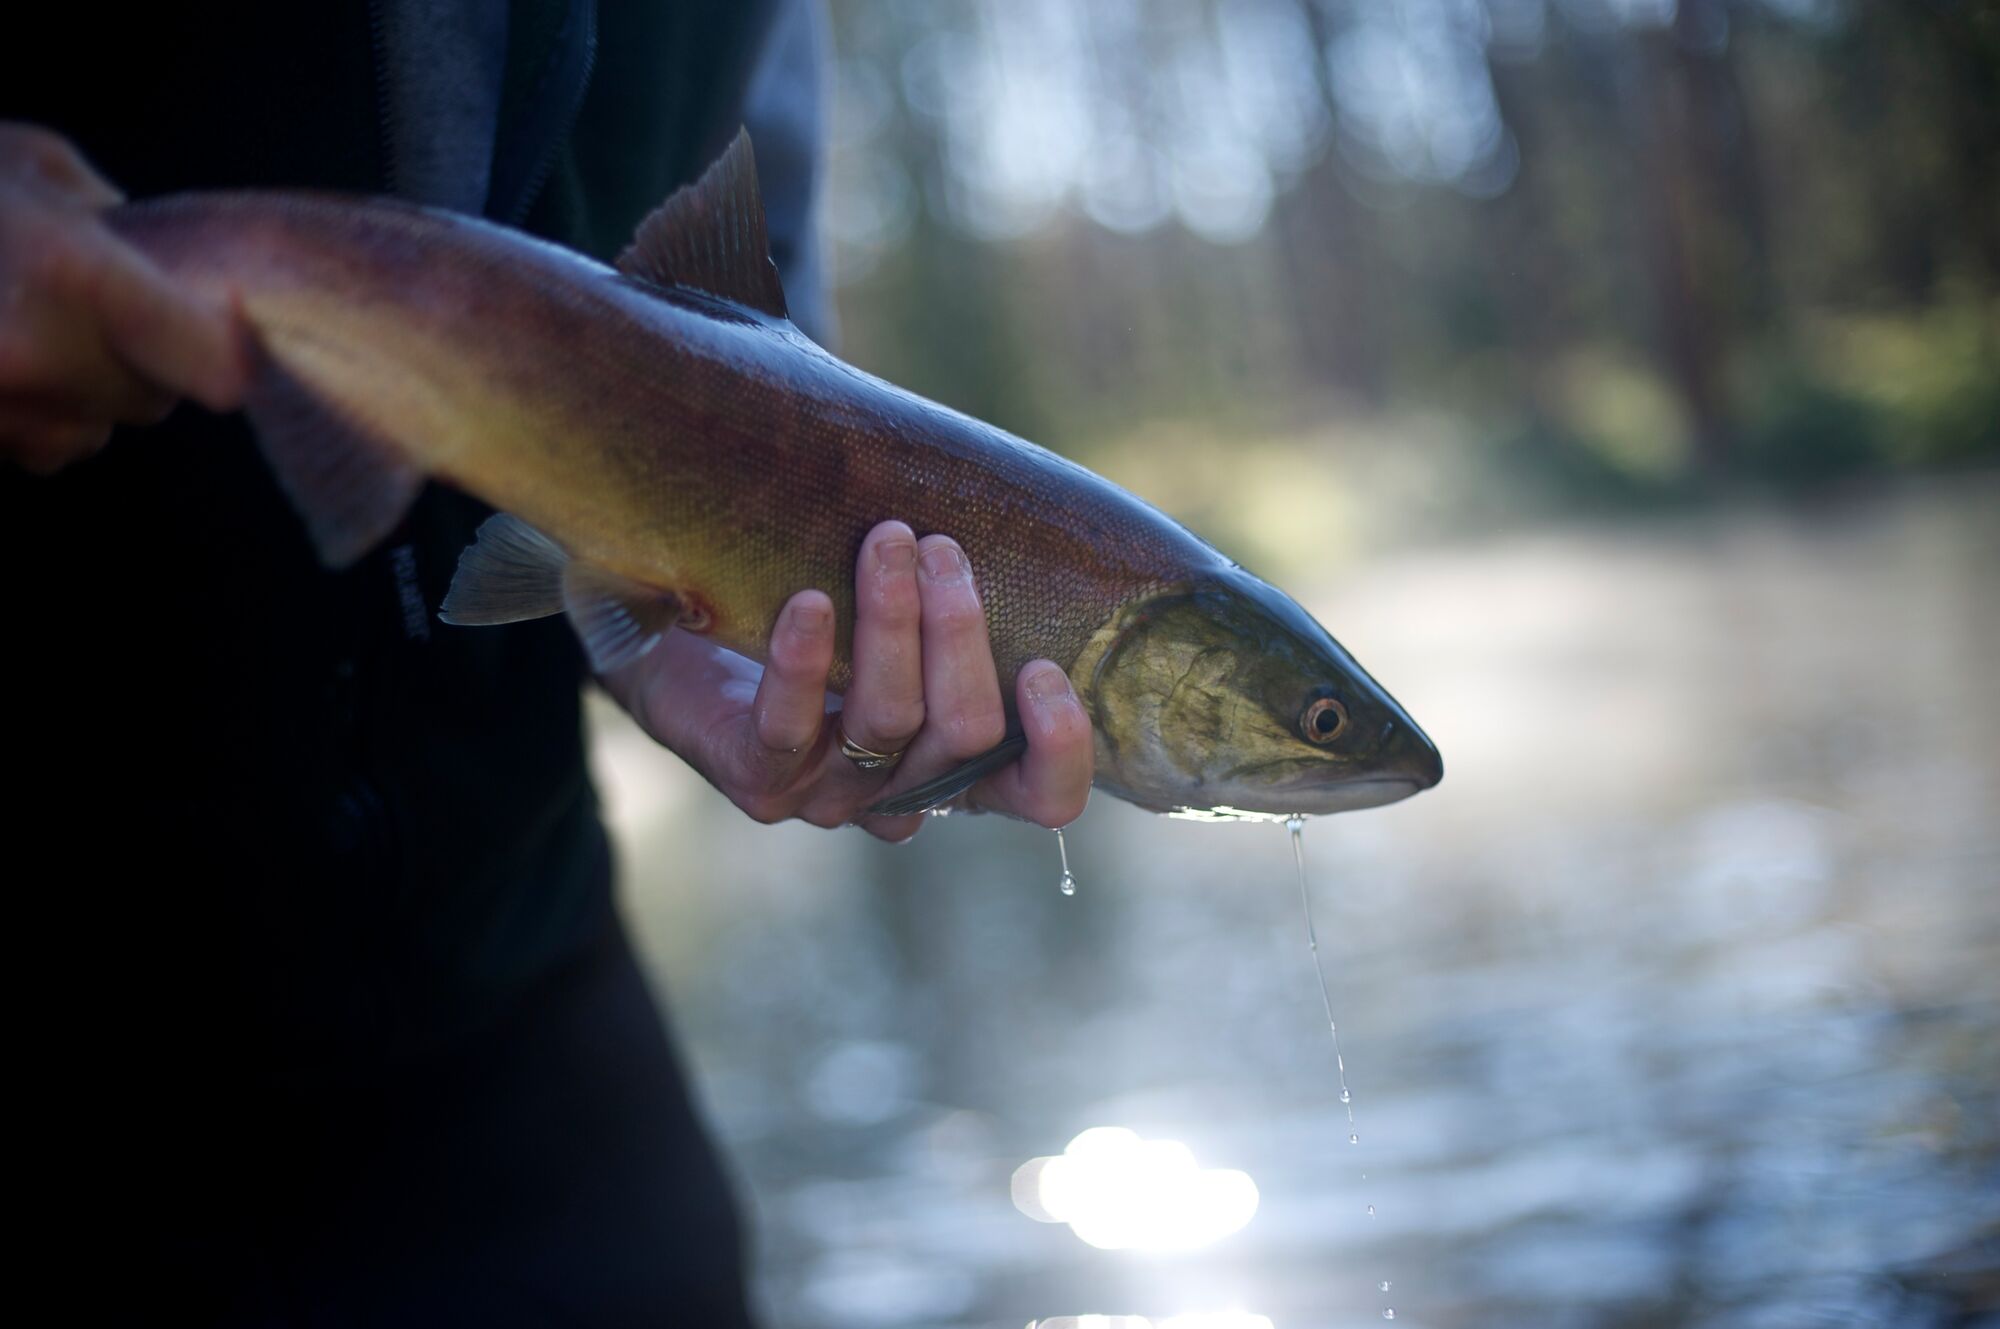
[1675,1004]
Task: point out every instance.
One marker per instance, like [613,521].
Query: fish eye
[1324,720]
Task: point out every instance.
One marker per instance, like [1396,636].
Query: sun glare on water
[1192,1320]
[1120,1192]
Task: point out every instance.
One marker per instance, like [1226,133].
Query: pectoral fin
[953,782]
[513,573]
[350,487]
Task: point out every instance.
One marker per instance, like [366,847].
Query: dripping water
[1297,826]
[1068,882]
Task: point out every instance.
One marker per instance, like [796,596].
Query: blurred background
[1620,381]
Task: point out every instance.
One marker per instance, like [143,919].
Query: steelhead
[668,451]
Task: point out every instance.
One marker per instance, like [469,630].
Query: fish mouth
[1359,794]
[1291,787]
[1305,799]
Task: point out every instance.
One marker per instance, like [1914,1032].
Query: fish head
[1226,699]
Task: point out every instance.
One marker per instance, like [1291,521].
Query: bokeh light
[1614,377]
[1186,1320]
[1118,1191]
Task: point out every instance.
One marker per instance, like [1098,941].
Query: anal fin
[617,619]
[351,488]
[945,787]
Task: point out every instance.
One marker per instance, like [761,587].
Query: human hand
[924,685]
[92,334]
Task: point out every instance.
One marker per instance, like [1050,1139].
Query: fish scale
[693,459]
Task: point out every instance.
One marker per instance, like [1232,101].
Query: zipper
[567,78]
[385,129]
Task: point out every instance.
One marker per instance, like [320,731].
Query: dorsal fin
[710,236]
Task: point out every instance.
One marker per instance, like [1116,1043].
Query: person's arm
[92,335]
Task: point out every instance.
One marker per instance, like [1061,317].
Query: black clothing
[334,1021]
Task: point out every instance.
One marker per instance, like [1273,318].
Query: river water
[1677,1003]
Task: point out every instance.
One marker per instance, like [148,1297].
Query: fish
[666,451]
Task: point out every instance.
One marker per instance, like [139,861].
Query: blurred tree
[1652,239]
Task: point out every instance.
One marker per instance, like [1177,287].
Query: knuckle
[33,141]
[57,161]
[764,808]
[48,160]
[898,718]
[974,729]
[782,737]
[30,145]
[795,659]
[959,615]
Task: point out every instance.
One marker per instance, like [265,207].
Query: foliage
[1596,253]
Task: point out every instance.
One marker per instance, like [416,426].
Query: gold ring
[866,758]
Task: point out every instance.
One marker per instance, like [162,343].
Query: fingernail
[895,555]
[811,619]
[945,561]
[1048,686]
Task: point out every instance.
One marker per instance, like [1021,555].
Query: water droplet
[1382,1286]
[1371,1211]
[1388,1312]
[1354,1139]
[1068,879]
[1297,825]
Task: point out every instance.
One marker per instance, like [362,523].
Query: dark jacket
[300,862]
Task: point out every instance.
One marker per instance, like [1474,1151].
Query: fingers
[961,688]
[962,711]
[37,158]
[170,337]
[790,706]
[91,331]
[1050,784]
[43,443]
[884,706]
[923,661]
